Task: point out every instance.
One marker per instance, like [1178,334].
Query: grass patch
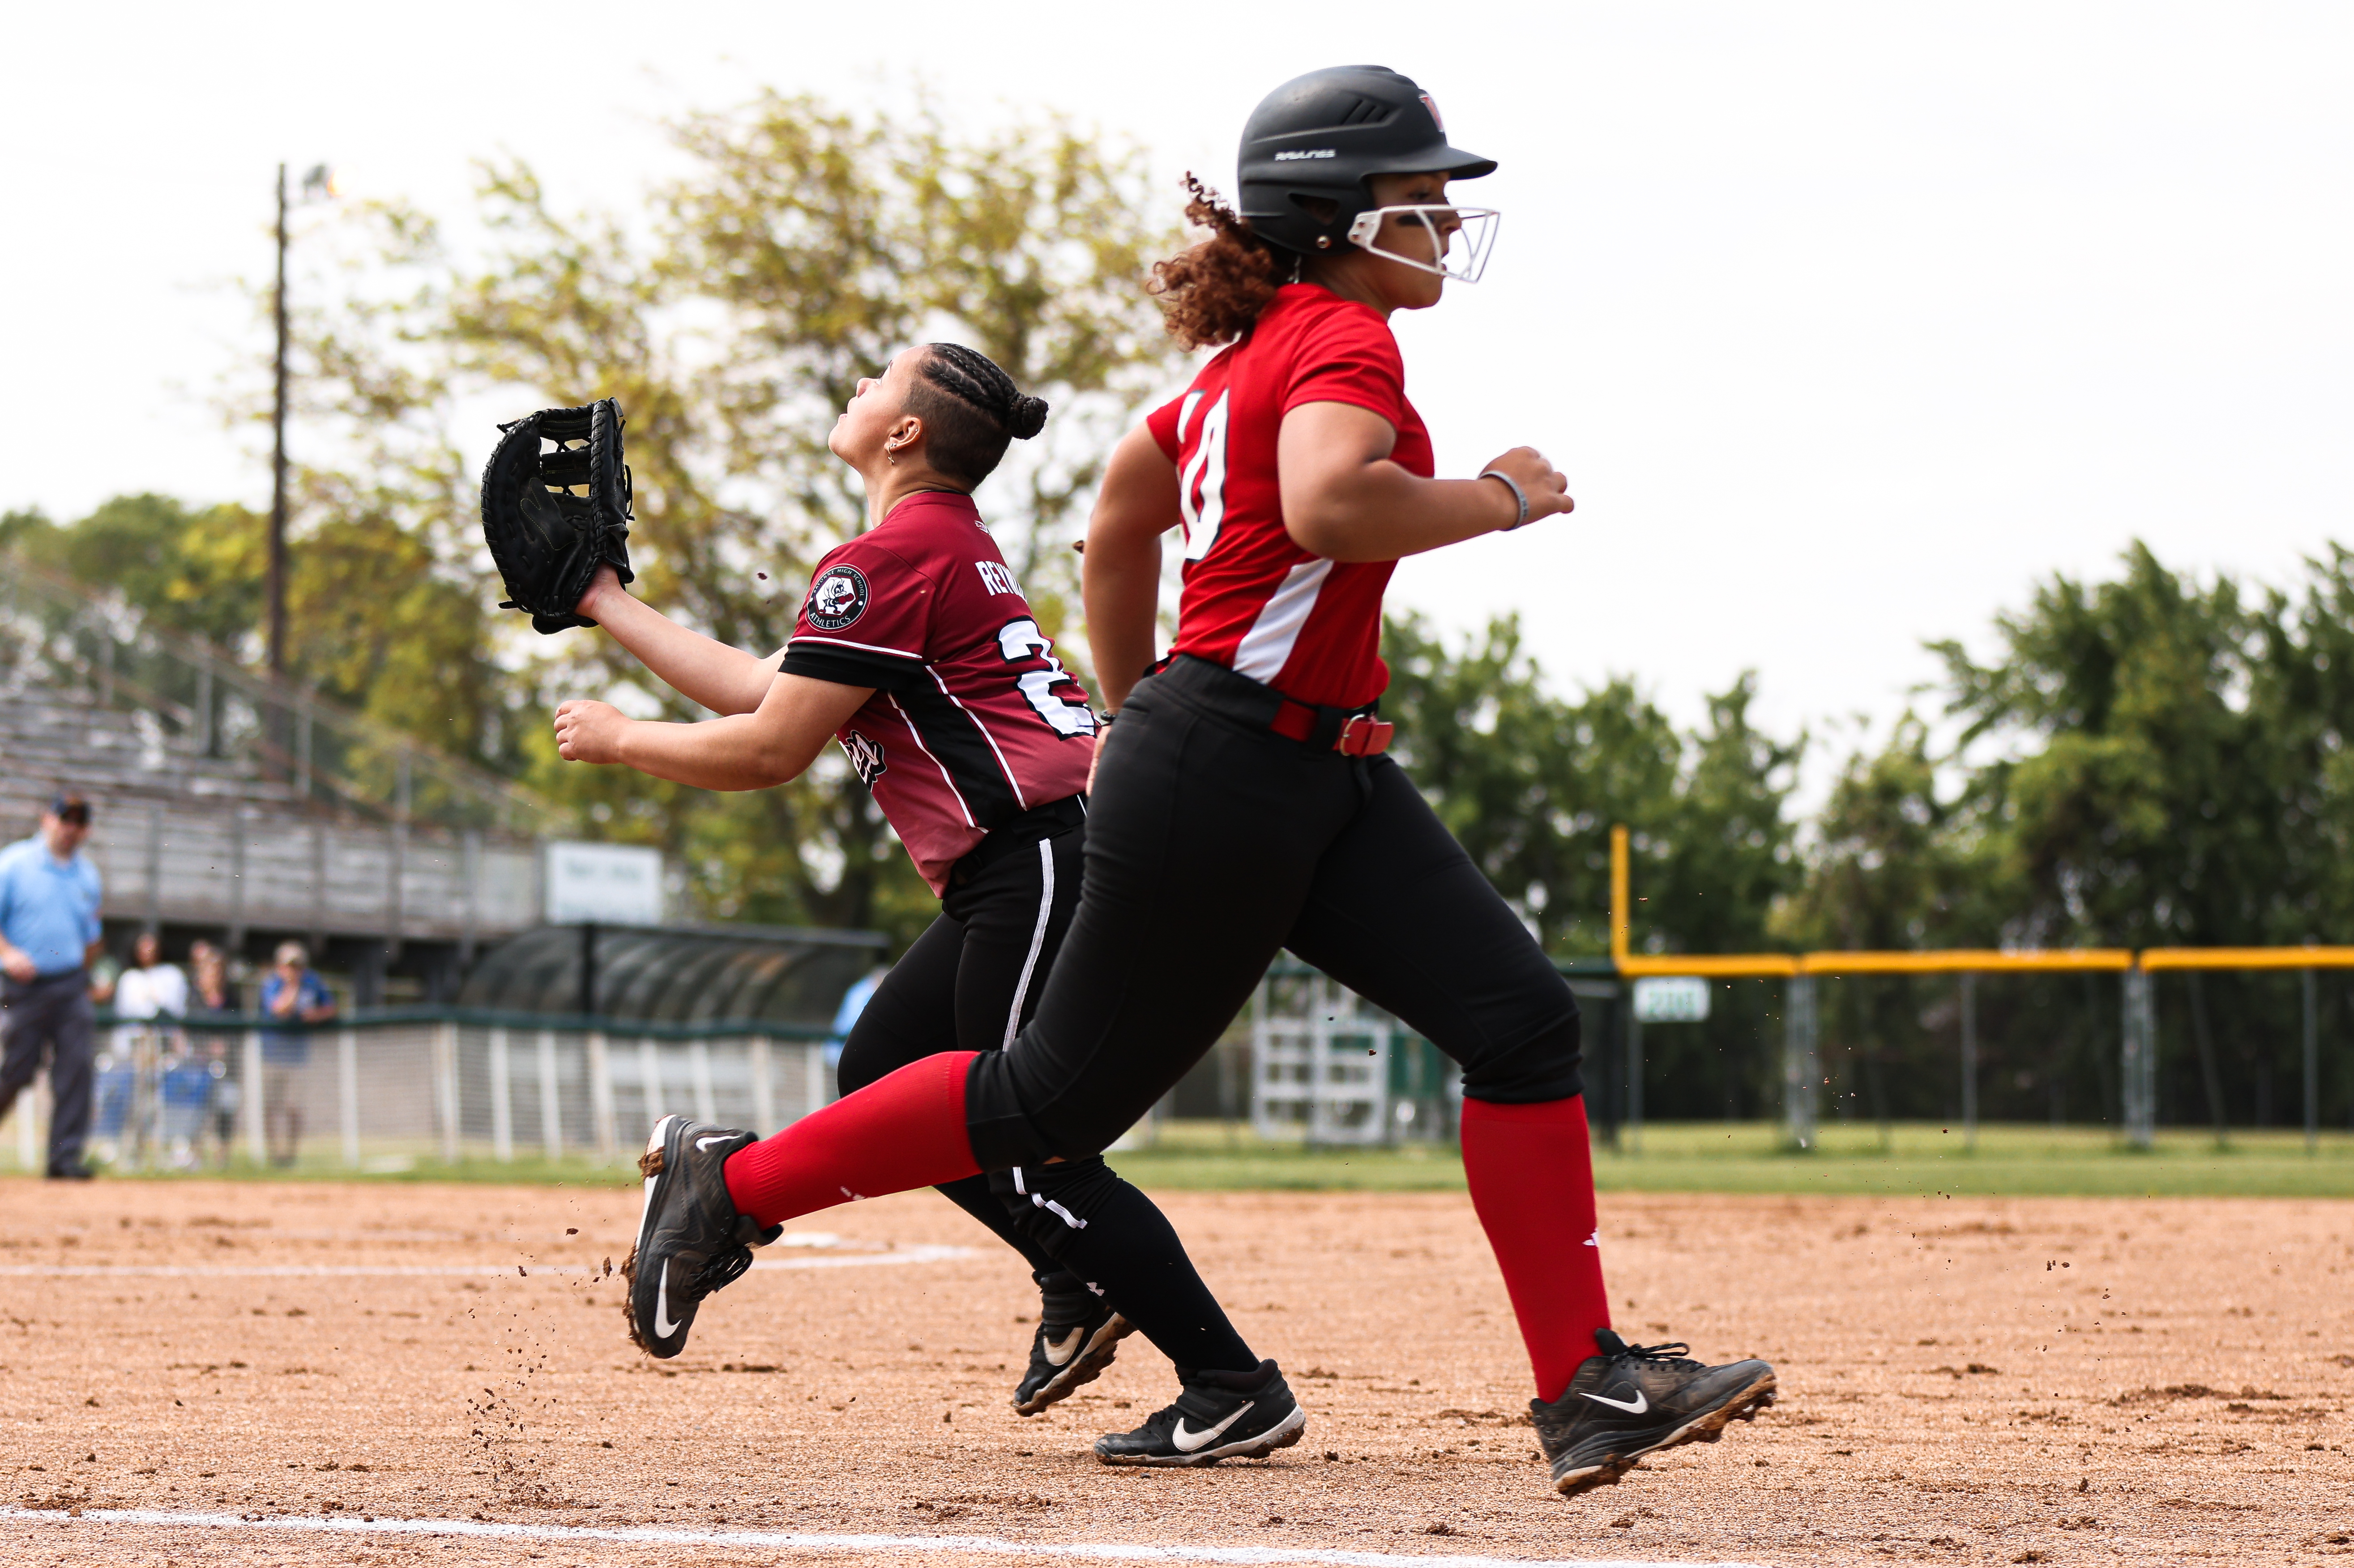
[1917,1160]
[1924,1159]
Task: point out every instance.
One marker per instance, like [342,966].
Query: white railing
[409,1090]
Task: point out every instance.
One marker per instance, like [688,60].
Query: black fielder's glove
[553,516]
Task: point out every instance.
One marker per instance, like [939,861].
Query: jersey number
[1022,641]
[1205,477]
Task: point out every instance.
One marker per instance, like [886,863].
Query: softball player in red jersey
[917,650]
[1243,803]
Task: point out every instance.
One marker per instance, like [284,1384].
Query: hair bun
[1026,417]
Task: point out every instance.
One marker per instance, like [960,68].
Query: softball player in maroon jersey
[1242,804]
[916,649]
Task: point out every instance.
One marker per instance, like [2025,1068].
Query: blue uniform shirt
[49,910]
[286,1047]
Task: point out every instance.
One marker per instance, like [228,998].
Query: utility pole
[278,457]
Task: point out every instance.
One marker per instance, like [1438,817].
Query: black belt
[1353,732]
[56,976]
[1050,820]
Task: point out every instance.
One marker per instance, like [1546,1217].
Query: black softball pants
[1211,844]
[967,983]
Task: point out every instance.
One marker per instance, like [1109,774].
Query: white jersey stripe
[1267,647]
[946,778]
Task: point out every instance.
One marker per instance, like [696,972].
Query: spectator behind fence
[290,989]
[150,988]
[213,995]
[48,939]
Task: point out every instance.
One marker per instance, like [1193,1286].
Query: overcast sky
[1847,323]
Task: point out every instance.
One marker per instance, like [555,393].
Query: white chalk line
[906,1254]
[806,1540]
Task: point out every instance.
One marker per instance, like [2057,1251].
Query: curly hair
[1212,293]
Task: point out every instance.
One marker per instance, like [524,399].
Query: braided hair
[971,409]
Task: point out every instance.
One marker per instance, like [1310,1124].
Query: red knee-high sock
[1531,1171]
[901,1131]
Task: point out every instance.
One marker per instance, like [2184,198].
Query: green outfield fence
[2220,1038]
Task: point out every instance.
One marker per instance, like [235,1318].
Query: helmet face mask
[1313,148]
[1442,222]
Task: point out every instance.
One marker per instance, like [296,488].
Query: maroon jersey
[1254,600]
[973,720]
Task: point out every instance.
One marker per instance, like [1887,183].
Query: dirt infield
[1984,1380]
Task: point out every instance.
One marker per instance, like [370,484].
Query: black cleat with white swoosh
[1633,1400]
[691,1241]
[1219,1415]
[1079,1334]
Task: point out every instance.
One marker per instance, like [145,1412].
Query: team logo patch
[865,757]
[837,598]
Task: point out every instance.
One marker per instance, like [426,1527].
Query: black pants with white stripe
[969,983]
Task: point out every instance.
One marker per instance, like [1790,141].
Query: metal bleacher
[245,808]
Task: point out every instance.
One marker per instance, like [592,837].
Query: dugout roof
[674,974]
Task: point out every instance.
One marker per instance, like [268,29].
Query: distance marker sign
[1671,999]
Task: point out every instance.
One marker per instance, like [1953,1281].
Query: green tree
[1531,784]
[1890,865]
[1730,856]
[2136,804]
[184,567]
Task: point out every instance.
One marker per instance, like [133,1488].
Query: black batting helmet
[1318,138]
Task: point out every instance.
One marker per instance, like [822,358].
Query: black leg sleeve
[973,1196]
[1114,1239]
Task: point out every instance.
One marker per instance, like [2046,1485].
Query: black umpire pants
[1211,844]
[50,1016]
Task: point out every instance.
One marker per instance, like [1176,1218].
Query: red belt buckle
[1363,735]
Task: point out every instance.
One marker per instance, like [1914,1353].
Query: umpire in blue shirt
[48,938]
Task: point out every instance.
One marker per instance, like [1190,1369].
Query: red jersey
[1254,600]
[973,720]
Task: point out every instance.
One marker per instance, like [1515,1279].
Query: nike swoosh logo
[665,1328]
[705,1143]
[1635,1406]
[1061,1354]
[1187,1442]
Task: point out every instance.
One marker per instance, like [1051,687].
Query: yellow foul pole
[1619,910]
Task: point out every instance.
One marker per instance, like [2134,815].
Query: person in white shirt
[150,988]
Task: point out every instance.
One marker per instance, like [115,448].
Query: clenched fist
[590,731]
[1546,486]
